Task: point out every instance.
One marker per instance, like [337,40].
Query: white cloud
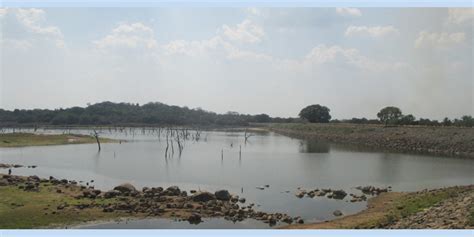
[345,11]
[134,35]
[336,54]
[31,22]
[434,39]
[375,31]
[460,15]
[245,32]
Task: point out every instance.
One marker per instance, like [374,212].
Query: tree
[407,120]
[389,114]
[262,118]
[316,114]
[447,122]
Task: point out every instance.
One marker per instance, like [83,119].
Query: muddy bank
[446,208]
[64,202]
[446,141]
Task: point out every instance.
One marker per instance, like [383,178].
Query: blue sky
[250,60]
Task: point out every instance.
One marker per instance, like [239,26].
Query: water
[270,159]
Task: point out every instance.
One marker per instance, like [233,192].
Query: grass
[416,202]
[30,139]
[24,209]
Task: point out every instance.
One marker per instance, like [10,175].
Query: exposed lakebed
[277,165]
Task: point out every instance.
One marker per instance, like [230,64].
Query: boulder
[339,194]
[111,194]
[125,188]
[173,191]
[203,197]
[223,195]
[337,213]
[194,218]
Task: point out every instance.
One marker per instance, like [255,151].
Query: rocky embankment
[171,202]
[453,213]
[448,141]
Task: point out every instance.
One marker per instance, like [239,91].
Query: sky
[250,60]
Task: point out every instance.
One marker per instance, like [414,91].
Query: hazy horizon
[249,60]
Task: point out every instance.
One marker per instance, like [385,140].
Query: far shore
[31,139]
[440,141]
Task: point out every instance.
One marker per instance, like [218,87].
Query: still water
[223,160]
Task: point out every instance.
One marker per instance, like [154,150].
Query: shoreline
[437,141]
[399,210]
[60,203]
[20,139]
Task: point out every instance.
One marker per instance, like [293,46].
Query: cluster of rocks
[30,183]
[158,201]
[371,190]
[341,194]
[176,203]
[329,193]
[452,213]
[6,166]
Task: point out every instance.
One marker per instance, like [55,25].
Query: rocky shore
[456,212]
[446,141]
[444,208]
[125,199]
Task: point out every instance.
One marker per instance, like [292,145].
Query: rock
[31,187]
[203,197]
[61,206]
[125,188]
[242,200]
[108,209]
[300,194]
[339,194]
[223,195]
[111,194]
[173,191]
[34,178]
[194,218]
[300,221]
[337,213]
[3,182]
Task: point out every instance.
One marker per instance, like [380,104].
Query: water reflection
[313,146]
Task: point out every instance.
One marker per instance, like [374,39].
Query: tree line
[109,113]
[155,113]
[389,115]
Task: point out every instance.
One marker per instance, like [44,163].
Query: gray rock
[125,188]
[223,195]
[337,213]
[203,197]
[111,194]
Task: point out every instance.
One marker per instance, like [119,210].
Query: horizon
[249,60]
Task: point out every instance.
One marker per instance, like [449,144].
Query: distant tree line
[109,113]
[388,116]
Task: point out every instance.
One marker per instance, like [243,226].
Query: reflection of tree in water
[313,146]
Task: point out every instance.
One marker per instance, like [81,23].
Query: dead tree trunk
[96,135]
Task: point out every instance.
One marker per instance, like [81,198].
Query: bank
[443,141]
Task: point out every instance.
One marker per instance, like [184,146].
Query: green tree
[316,114]
[389,114]
[407,120]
